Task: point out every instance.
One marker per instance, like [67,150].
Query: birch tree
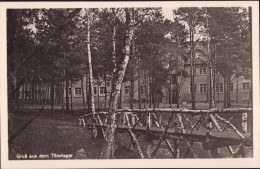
[109,147]
[89,16]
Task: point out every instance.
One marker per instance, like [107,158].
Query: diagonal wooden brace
[162,137]
[137,143]
[169,147]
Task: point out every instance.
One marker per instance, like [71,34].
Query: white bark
[108,149]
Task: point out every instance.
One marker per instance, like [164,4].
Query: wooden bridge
[212,128]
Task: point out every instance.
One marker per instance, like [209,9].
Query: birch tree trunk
[132,59]
[87,92]
[210,63]
[114,44]
[192,68]
[83,96]
[108,148]
[91,86]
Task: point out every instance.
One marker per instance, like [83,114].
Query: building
[239,89]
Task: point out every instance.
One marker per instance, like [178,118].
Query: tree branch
[48,37]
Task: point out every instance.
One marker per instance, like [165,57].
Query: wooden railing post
[176,148]
[244,122]
[149,140]
[132,116]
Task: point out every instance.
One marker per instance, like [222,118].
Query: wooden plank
[195,112]
[180,110]
[172,131]
[216,139]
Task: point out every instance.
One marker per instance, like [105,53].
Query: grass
[46,135]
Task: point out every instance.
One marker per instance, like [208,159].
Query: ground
[46,135]
[50,137]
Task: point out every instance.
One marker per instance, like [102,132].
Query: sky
[167,13]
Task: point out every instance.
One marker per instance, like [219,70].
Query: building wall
[239,93]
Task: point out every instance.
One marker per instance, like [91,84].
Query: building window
[231,87]
[203,88]
[195,87]
[78,92]
[127,90]
[203,71]
[143,90]
[102,90]
[219,88]
[246,87]
[95,90]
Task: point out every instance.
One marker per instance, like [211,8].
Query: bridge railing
[183,122]
[214,115]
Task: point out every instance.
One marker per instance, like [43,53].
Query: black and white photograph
[130,81]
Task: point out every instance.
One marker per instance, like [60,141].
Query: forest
[59,47]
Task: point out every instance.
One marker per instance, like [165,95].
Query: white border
[217,163]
